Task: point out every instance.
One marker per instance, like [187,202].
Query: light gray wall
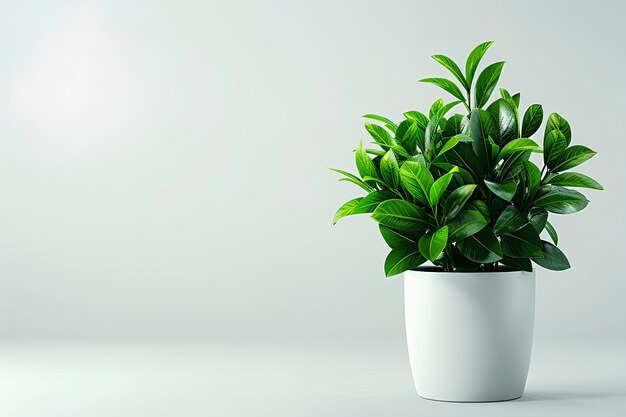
[163,164]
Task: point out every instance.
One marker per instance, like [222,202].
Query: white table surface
[68,379]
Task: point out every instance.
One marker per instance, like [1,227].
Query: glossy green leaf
[516,98]
[554,146]
[364,164]
[465,224]
[431,245]
[533,177]
[482,126]
[418,117]
[509,221]
[401,215]
[413,137]
[439,186]
[397,238]
[417,179]
[532,120]
[556,122]
[560,200]
[521,264]
[486,82]
[463,155]
[474,59]
[389,170]
[391,125]
[457,199]
[435,108]
[505,191]
[451,143]
[369,203]
[402,259]
[552,232]
[523,242]
[380,135]
[482,247]
[481,207]
[346,209]
[575,179]
[447,85]
[453,68]
[573,156]
[518,145]
[353,179]
[538,221]
[553,258]
[456,125]
[505,113]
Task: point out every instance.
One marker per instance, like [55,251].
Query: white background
[163,164]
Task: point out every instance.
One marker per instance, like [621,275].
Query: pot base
[461,402]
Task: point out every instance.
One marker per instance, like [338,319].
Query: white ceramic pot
[469,334]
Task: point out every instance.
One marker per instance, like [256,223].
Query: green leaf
[554,146]
[435,108]
[518,145]
[505,191]
[556,122]
[451,143]
[486,82]
[396,238]
[453,68]
[505,94]
[353,179]
[431,245]
[553,258]
[439,186]
[413,137]
[364,164]
[457,199]
[523,242]
[369,203]
[391,125]
[463,155]
[552,232]
[447,85]
[474,59]
[575,179]
[418,117]
[522,264]
[532,120]
[417,179]
[573,156]
[533,177]
[481,207]
[506,115]
[402,259]
[538,221]
[482,247]
[560,200]
[389,170]
[456,125]
[465,224]
[346,209]
[509,221]
[379,134]
[516,98]
[401,215]
[483,125]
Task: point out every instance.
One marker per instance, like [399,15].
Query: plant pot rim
[430,269]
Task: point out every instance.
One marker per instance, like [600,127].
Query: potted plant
[462,193]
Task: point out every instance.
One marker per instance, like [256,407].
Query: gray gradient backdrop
[163,165]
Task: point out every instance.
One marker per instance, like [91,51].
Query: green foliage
[461,191]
